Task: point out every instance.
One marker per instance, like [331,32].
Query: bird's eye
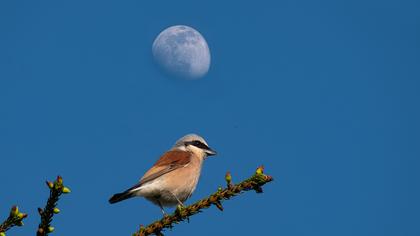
[199,144]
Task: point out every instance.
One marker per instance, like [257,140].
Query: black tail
[120,197]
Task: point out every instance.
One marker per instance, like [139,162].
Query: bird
[174,176]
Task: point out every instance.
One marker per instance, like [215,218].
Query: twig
[56,189]
[15,219]
[181,214]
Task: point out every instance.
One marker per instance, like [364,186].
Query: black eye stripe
[199,144]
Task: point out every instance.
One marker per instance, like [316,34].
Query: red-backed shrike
[173,178]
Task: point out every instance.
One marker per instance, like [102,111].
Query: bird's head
[195,144]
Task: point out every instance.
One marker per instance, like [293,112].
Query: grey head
[194,141]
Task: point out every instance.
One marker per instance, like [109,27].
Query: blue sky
[323,93]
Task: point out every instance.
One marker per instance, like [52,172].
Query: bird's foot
[179,208]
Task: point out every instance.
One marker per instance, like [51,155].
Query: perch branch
[183,213]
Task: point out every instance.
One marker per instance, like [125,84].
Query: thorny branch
[254,183]
[56,189]
[15,219]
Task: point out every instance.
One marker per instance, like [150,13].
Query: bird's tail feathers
[121,196]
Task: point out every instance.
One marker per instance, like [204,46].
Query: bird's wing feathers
[168,162]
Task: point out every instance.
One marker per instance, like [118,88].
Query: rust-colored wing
[168,162]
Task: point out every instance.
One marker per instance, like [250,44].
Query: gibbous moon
[182,51]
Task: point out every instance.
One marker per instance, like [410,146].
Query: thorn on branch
[219,205]
[228,178]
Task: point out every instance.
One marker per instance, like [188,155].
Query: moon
[182,51]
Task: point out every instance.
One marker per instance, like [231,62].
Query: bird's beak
[210,152]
